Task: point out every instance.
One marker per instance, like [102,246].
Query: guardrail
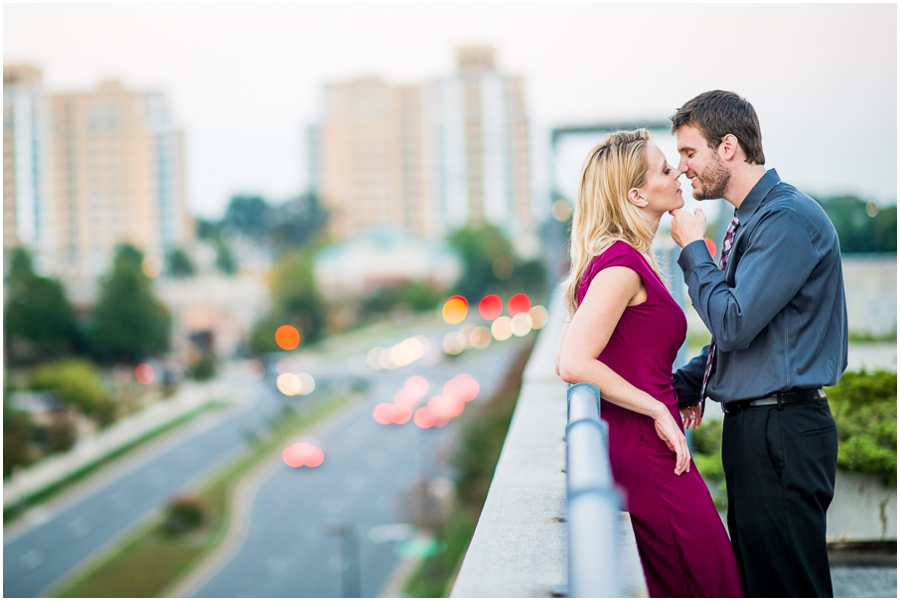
[592,499]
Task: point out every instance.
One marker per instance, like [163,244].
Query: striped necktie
[723,262]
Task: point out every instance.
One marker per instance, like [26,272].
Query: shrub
[75,381]
[183,514]
[865,410]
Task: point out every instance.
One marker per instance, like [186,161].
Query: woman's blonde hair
[603,214]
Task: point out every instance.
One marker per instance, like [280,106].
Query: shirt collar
[757,194]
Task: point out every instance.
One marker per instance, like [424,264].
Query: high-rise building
[119,177]
[431,157]
[28,217]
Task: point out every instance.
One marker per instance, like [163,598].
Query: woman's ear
[636,198]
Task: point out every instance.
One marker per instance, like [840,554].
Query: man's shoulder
[792,206]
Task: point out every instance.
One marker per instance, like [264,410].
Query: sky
[245,81]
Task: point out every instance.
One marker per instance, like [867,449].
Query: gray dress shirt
[778,313]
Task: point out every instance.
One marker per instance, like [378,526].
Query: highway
[367,472]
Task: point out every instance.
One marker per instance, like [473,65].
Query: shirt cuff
[693,255]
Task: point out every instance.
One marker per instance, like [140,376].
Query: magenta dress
[684,549]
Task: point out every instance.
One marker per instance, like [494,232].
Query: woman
[623,332]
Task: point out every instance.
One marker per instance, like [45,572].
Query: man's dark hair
[718,113]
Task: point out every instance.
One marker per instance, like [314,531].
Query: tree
[127,322]
[247,215]
[38,319]
[75,381]
[490,264]
[862,226]
[296,301]
[296,223]
[224,259]
[180,265]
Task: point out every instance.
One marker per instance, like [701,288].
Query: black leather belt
[779,399]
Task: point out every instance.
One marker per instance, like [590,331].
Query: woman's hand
[692,416]
[671,434]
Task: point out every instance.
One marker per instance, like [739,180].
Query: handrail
[593,501]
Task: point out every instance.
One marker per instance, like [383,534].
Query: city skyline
[246,82]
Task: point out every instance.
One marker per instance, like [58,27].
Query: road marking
[31,559]
[355,481]
[275,564]
[79,528]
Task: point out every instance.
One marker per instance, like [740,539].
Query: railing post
[593,501]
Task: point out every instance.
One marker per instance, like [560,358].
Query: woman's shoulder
[619,253]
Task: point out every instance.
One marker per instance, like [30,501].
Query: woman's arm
[610,292]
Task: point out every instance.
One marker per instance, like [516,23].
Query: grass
[11,514]
[151,561]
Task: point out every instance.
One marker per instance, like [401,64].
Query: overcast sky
[244,81]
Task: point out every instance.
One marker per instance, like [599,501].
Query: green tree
[75,381]
[480,247]
[180,265]
[38,319]
[127,322]
[296,301]
[17,432]
[862,226]
[491,265]
[247,215]
[296,223]
[224,259]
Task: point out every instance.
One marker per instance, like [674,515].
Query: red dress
[684,549]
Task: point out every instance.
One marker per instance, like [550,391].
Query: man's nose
[683,165]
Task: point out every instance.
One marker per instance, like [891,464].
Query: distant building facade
[119,177]
[28,215]
[86,171]
[431,157]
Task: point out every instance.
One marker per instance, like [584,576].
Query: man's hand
[687,228]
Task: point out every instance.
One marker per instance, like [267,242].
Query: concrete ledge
[519,548]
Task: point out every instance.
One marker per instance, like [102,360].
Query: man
[776,310]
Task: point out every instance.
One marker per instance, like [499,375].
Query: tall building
[118,177]
[28,217]
[431,157]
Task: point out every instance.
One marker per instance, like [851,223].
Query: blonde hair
[603,215]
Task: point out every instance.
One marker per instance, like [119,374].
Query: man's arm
[688,380]
[777,261]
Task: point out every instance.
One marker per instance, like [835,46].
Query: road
[364,483]
[71,532]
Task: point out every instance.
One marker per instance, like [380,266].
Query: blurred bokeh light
[255,369]
[519,303]
[521,324]
[490,307]
[416,387]
[303,454]
[144,374]
[501,329]
[480,338]
[289,384]
[539,316]
[287,337]
[455,309]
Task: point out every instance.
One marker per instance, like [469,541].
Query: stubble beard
[714,181]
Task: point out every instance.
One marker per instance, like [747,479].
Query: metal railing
[593,502]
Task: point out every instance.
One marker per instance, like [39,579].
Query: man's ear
[636,198]
[729,147]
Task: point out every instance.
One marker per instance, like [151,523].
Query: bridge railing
[594,504]
[521,544]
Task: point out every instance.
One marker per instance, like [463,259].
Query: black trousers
[779,472]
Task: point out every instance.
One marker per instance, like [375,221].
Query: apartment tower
[431,157]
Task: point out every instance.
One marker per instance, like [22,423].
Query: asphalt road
[36,558]
[72,531]
[364,483]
